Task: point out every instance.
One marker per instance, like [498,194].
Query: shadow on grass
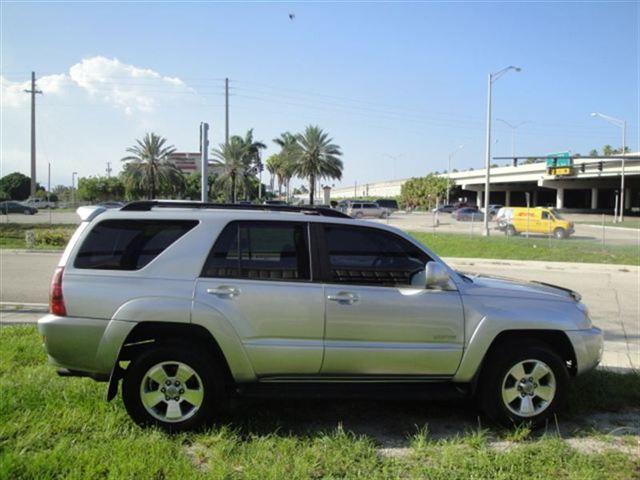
[600,402]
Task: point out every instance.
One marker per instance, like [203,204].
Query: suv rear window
[128,244]
[260,251]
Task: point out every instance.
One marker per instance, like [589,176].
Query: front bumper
[588,346]
[83,344]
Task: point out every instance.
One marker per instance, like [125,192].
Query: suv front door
[380,318]
[258,276]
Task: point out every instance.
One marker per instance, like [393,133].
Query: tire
[545,375]
[560,233]
[510,231]
[26,211]
[359,215]
[202,383]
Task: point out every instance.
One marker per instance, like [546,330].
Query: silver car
[366,210]
[190,304]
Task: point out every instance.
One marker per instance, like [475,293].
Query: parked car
[444,209]
[275,202]
[468,214]
[389,203]
[189,307]
[366,210]
[494,209]
[39,203]
[16,207]
[537,220]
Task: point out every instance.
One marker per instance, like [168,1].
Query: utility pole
[73,187]
[204,147]
[226,111]
[33,93]
[109,169]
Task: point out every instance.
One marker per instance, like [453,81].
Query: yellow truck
[539,220]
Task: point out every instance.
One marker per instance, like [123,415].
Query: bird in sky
[292,16]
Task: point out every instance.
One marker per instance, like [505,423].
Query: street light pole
[460,147]
[493,77]
[513,128]
[73,188]
[618,122]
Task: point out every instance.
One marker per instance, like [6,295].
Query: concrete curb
[18,251]
[624,229]
[600,267]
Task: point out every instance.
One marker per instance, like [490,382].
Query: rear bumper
[588,346]
[83,344]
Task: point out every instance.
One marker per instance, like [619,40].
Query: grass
[628,223]
[12,235]
[52,427]
[521,248]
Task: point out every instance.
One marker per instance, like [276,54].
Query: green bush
[53,238]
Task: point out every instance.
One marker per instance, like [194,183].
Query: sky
[398,86]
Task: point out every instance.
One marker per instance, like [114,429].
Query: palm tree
[273,164]
[318,157]
[149,169]
[251,160]
[289,156]
[231,157]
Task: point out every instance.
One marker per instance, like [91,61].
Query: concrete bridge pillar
[627,198]
[560,198]
[534,198]
[594,198]
[479,202]
[507,198]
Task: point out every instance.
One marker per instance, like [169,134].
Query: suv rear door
[380,318]
[258,275]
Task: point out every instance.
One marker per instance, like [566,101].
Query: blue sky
[385,79]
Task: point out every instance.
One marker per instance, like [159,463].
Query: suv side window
[369,256]
[260,251]
[128,244]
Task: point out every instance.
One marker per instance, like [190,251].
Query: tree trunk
[233,188]
[312,188]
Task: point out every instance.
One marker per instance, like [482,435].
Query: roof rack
[146,205]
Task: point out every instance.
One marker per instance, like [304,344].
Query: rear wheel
[510,231]
[359,215]
[525,382]
[26,211]
[560,233]
[173,386]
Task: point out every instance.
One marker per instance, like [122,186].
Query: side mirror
[437,276]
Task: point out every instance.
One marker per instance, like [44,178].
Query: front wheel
[174,387]
[559,233]
[510,231]
[525,383]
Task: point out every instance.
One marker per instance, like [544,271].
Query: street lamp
[622,124]
[394,159]
[73,187]
[492,77]
[513,128]
[460,147]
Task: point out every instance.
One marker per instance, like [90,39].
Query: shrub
[53,238]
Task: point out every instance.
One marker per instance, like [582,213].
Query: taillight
[56,300]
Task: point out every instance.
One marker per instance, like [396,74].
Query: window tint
[129,244]
[260,251]
[371,257]
[545,216]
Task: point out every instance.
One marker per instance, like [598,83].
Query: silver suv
[366,210]
[191,304]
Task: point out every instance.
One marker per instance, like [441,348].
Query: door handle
[224,291]
[346,298]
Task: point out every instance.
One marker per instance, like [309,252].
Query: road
[612,292]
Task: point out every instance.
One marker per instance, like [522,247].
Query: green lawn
[521,248]
[53,427]
[630,222]
[12,235]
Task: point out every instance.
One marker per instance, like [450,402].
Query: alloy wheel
[528,388]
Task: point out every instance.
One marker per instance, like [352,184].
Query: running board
[396,390]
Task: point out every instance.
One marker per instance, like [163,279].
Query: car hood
[506,287]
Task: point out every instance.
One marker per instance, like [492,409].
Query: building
[189,162]
[589,184]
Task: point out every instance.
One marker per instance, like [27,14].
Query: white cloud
[129,88]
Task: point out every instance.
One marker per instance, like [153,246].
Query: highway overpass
[590,184]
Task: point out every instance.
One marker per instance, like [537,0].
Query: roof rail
[146,205]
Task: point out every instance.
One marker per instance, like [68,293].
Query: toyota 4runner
[188,305]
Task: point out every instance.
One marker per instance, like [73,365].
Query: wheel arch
[556,340]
